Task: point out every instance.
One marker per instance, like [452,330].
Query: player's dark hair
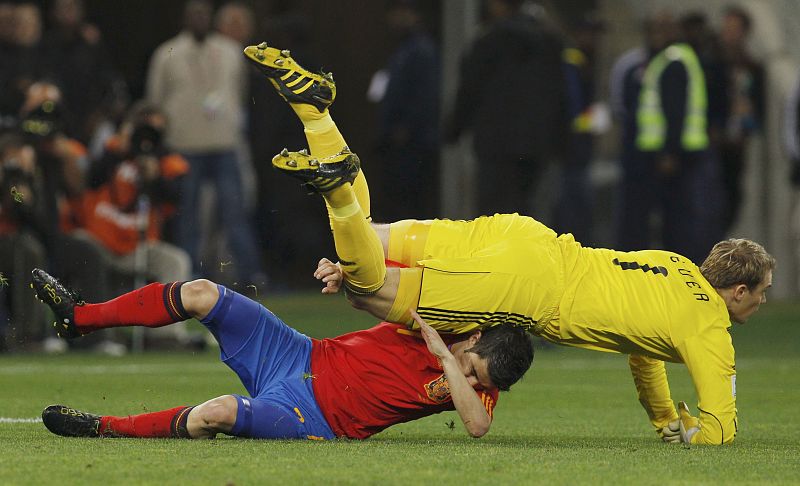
[508,350]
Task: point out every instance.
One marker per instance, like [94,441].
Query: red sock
[153,305]
[167,423]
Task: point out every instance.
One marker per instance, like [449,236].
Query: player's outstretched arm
[330,274]
[650,378]
[469,407]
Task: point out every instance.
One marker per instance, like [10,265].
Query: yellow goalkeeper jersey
[652,303]
[656,304]
[647,302]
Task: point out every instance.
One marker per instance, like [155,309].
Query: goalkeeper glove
[671,432]
[688,425]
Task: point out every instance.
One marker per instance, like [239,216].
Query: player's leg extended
[309,95]
[344,186]
[153,305]
[254,418]
[357,245]
[69,422]
[258,347]
[204,421]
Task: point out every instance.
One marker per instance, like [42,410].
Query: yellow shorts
[479,273]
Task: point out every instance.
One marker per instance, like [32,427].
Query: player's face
[751,300]
[476,369]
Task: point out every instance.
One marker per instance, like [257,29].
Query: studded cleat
[69,422]
[60,299]
[319,175]
[293,82]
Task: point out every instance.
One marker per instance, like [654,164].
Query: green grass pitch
[574,419]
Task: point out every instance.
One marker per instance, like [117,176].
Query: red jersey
[366,381]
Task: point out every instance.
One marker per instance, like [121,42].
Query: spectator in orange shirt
[132,192]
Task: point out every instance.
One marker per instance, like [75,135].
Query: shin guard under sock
[153,305]
[166,423]
[325,140]
[359,250]
[323,137]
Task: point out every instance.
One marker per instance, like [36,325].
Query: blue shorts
[274,363]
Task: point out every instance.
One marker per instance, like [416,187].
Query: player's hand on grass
[436,346]
[689,425]
[330,274]
[671,432]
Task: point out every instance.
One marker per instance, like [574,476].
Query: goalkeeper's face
[748,301]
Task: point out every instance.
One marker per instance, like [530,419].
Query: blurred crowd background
[135,141]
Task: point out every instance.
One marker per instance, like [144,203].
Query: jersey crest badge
[438,390]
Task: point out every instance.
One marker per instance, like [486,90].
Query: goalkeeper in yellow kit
[655,306]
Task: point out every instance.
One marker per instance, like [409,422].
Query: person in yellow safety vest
[650,117]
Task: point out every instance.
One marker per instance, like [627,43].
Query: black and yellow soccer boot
[319,175]
[60,299]
[292,81]
[68,422]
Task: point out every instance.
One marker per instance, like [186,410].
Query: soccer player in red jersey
[351,386]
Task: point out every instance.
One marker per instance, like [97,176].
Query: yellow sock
[338,198]
[324,138]
[307,113]
[361,192]
[346,194]
[359,249]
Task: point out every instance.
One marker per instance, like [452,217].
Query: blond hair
[737,261]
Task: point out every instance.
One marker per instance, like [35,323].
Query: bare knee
[382,231]
[212,417]
[199,297]
[220,413]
